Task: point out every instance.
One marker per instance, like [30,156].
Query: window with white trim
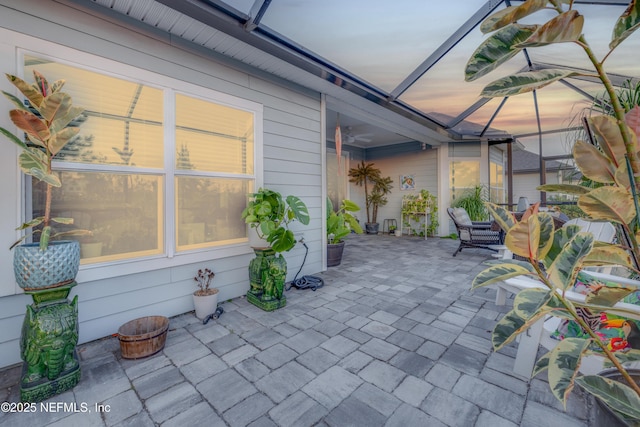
[160,167]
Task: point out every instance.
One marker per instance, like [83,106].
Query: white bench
[540,332]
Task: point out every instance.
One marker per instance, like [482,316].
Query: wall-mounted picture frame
[407,182]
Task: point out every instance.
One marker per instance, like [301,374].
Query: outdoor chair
[473,234]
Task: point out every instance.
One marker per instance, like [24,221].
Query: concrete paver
[395,338]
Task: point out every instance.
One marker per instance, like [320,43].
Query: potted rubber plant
[555,257]
[340,223]
[205,298]
[48,119]
[270,216]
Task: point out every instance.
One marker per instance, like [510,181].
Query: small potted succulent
[205,298]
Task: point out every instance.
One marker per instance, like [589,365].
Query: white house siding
[524,185]
[423,165]
[292,165]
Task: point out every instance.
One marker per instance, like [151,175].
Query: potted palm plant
[555,257]
[340,224]
[270,216]
[366,174]
[47,118]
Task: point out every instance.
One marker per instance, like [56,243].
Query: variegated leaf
[61,220]
[524,237]
[616,395]
[509,327]
[44,238]
[593,164]
[541,365]
[497,273]
[609,138]
[622,177]
[608,254]
[564,269]
[566,27]
[564,361]
[13,138]
[609,203]
[15,100]
[32,158]
[626,24]
[608,296]
[31,124]
[60,139]
[496,50]
[528,302]
[501,215]
[546,234]
[34,96]
[632,355]
[560,238]
[524,82]
[511,14]
[564,188]
[632,119]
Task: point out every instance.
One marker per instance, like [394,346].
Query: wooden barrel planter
[143,337]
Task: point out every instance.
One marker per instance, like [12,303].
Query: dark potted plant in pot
[270,216]
[205,298]
[340,224]
[46,118]
[555,257]
[366,174]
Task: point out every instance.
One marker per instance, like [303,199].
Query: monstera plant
[555,257]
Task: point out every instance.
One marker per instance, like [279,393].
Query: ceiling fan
[349,137]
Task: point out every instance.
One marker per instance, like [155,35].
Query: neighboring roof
[528,162]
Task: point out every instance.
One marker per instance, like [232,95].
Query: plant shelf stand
[407,216]
[48,344]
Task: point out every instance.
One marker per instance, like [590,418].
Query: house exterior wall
[111,295]
[524,185]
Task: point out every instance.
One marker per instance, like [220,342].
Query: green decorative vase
[267,274]
[48,344]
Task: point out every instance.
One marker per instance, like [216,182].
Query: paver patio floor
[394,338]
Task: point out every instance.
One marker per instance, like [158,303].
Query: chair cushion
[461,216]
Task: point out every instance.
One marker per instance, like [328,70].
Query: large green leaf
[299,209]
[593,164]
[564,269]
[618,396]
[564,361]
[511,14]
[499,272]
[564,188]
[626,24]
[524,82]
[349,206]
[282,240]
[496,50]
[609,138]
[501,215]
[566,27]
[609,203]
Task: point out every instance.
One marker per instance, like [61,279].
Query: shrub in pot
[555,257]
[340,223]
[270,216]
[205,298]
